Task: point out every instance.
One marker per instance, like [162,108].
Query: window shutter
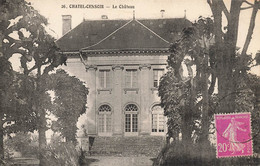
[101,78]
[108,79]
[128,78]
[155,78]
[160,74]
[157,74]
[134,79]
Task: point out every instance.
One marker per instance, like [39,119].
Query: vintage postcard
[150,70]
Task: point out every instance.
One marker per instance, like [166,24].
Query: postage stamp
[233,133]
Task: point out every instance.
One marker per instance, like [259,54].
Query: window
[131,118]
[158,119]
[104,78]
[104,119]
[131,78]
[157,74]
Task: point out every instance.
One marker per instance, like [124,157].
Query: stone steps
[127,146]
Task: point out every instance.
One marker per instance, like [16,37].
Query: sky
[53,11]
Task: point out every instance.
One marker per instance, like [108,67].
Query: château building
[122,62]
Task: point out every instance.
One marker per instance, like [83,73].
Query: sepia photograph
[129,82]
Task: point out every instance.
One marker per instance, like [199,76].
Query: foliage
[62,154]
[16,111]
[253,82]
[182,95]
[19,18]
[174,154]
[188,100]
[20,116]
[70,102]
[37,45]
[56,141]
[231,62]
[24,143]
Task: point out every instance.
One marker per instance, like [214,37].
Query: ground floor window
[131,118]
[158,119]
[104,119]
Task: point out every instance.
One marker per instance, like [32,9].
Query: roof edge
[113,51]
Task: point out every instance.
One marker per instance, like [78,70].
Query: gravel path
[120,161]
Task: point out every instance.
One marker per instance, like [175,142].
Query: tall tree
[232,63]
[16,97]
[187,97]
[70,102]
[5,83]
[226,46]
[19,18]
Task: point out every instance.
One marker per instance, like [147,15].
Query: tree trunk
[1,105]
[1,137]
[251,28]
[186,129]
[41,121]
[42,137]
[1,125]
[226,52]
[204,142]
[1,44]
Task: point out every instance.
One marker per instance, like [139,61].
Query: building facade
[121,62]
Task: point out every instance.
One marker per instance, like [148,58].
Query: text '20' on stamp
[233,133]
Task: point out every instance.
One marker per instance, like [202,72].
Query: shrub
[24,143]
[175,154]
[62,154]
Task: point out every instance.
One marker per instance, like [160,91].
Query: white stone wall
[145,96]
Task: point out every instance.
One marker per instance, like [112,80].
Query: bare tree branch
[10,29]
[210,5]
[251,28]
[217,14]
[224,8]
[248,2]
[14,50]
[212,84]
[244,8]
[33,68]
[209,2]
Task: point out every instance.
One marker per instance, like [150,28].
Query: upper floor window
[157,74]
[105,78]
[131,78]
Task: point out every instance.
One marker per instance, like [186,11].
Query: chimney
[104,17]
[66,23]
[162,12]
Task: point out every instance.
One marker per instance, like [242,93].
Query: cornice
[145,66]
[134,51]
[117,67]
[91,67]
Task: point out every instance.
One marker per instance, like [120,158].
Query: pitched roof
[88,33]
[169,29]
[122,34]
[131,36]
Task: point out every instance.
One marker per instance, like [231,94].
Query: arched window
[158,119]
[131,118]
[104,119]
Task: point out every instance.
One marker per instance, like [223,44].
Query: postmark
[233,134]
